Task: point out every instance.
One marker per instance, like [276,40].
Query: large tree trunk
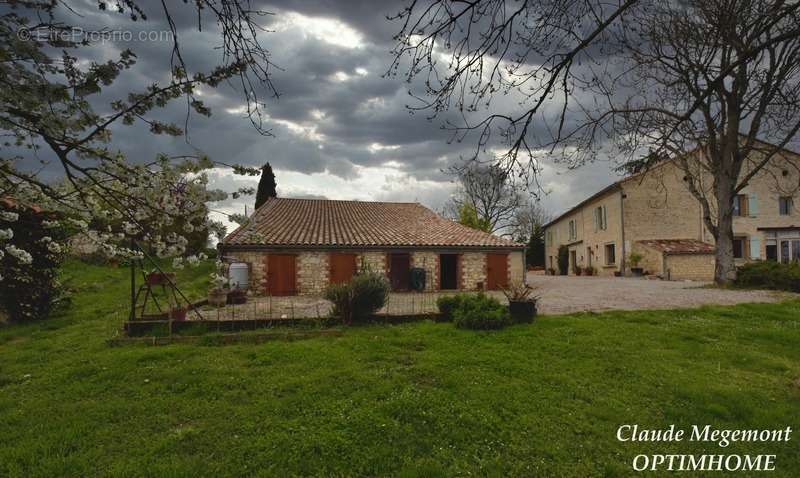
[724,267]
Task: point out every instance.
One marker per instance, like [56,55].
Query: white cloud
[384,183]
[328,30]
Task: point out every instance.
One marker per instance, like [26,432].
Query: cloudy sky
[340,129]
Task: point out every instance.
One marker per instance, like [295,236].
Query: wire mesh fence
[314,307]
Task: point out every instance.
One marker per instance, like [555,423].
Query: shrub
[563,260]
[480,312]
[32,251]
[358,299]
[634,259]
[447,305]
[770,275]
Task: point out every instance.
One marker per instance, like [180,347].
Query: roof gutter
[380,247]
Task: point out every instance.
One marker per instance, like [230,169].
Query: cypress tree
[266,186]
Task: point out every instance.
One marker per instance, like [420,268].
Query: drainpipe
[622,229]
[525,263]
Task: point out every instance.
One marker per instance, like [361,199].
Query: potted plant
[577,270]
[159,278]
[588,271]
[521,302]
[634,259]
[218,294]
[237,296]
[178,313]
[551,271]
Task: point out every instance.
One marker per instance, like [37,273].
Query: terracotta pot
[237,296]
[178,314]
[160,278]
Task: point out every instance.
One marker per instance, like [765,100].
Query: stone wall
[659,206]
[699,267]
[473,270]
[429,261]
[652,260]
[258,268]
[516,266]
[313,269]
[375,260]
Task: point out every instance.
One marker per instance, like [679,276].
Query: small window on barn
[611,254]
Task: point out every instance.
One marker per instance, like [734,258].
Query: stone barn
[299,246]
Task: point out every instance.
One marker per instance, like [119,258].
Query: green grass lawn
[421,399]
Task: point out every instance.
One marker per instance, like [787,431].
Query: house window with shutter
[785,206]
[611,254]
[600,218]
[573,231]
[739,244]
[740,205]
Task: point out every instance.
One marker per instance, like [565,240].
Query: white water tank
[239,275]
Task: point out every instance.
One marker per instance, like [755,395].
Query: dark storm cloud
[336,112]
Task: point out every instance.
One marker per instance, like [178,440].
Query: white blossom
[130,228]
[9,216]
[79,223]
[21,255]
[6,234]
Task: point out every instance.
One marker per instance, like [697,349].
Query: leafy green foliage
[770,275]
[468,216]
[266,186]
[32,250]
[480,312]
[447,304]
[360,298]
[634,259]
[563,259]
[534,254]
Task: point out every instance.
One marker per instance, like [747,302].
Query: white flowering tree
[30,253]
[56,114]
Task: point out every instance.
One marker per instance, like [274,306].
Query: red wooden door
[496,271]
[281,274]
[343,267]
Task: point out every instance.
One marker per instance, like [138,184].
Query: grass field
[421,399]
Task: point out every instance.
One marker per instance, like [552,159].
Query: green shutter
[755,248]
[752,205]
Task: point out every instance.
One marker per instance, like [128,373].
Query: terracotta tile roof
[679,246]
[10,203]
[317,222]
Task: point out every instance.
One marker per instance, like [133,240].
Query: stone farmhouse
[654,215]
[299,246]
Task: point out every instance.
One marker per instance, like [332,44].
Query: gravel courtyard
[565,294]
